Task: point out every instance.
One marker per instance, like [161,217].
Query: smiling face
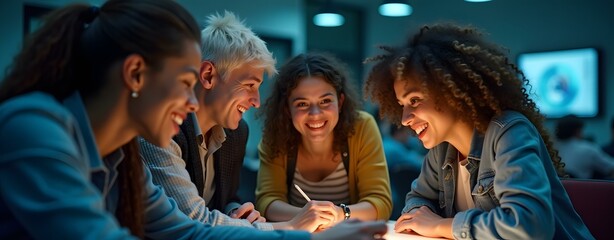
[167,96]
[314,107]
[433,126]
[226,100]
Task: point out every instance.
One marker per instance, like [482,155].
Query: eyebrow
[410,91]
[257,79]
[302,98]
[190,69]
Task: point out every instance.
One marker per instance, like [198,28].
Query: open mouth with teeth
[316,125]
[177,119]
[241,109]
[421,130]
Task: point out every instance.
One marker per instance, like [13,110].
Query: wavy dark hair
[462,73]
[279,135]
[74,51]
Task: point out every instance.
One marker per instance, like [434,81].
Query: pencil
[302,193]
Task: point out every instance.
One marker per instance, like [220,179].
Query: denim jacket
[55,185]
[515,188]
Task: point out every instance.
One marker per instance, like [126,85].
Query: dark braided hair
[74,50]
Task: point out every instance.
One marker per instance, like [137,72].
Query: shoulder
[365,128]
[508,118]
[149,150]
[37,122]
[364,120]
[36,102]
[240,133]
[364,116]
[34,108]
[512,122]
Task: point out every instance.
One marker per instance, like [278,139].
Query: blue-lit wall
[521,25]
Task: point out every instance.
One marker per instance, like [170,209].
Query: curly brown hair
[461,72]
[279,135]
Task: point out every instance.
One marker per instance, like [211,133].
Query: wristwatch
[346,211]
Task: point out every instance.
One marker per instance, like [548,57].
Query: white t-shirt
[463,199]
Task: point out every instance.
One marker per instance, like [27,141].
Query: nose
[314,109]
[408,115]
[255,99]
[192,103]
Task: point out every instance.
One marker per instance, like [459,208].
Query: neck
[110,122]
[205,121]
[462,137]
[318,150]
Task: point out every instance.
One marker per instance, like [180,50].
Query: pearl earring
[134,94]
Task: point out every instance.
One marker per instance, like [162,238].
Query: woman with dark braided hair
[491,172]
[73,101]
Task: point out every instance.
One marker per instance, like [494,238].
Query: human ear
[133,72]
[341,98]
[207,73]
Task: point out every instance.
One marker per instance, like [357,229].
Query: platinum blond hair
[229,44]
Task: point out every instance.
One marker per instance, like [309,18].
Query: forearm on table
[444,228]
[281,211]
[364,211]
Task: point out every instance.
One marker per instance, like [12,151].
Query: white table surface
[391,235]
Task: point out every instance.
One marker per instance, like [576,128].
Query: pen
[302,193]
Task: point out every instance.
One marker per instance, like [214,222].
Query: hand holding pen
[302,193]
[321,212]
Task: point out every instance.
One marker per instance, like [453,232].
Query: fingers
[252,216]
[260,219]
[403,217]
[321,206]
[246,211]
[240,211]
[403,223]
[312,218]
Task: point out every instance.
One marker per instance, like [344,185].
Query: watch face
[346,211]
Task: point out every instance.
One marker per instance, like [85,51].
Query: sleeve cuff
[264,226]
[231,207]
[460,226]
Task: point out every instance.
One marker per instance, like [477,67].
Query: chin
[232,125]
[428,146]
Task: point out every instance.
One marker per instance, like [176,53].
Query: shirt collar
[477,142]
[475,151]
[217,137]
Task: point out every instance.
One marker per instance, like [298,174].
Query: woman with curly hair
[491,172]
[85,84]
[315,137]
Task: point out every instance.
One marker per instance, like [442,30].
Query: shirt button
[480,189]
[464,235]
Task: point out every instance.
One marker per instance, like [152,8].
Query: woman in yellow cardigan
[315,137]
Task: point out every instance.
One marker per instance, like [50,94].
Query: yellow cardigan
[368,172]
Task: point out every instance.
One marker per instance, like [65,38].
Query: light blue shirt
[54,185]
[514,186]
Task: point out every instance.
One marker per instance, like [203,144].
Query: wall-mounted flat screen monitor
[563,82]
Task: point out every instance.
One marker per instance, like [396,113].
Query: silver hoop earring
[134,94]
